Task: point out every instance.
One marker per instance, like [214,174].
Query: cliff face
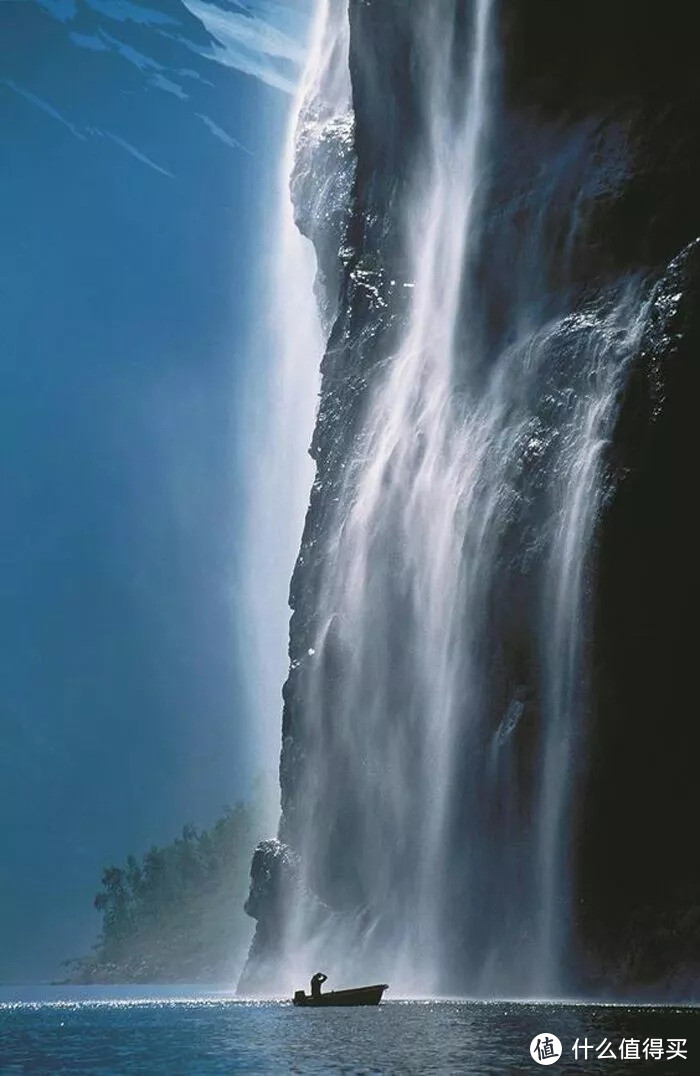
[593,141]
[641,923]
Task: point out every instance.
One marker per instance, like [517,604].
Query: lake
[154,1030]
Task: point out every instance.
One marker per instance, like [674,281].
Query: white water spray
[437,711]
[282,472]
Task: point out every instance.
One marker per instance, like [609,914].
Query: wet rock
[638,862]
[615,144]
[274,885]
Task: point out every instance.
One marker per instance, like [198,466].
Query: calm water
[111,1030]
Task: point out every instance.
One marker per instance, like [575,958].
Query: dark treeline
[177,914]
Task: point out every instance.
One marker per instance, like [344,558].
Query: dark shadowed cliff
[586,194]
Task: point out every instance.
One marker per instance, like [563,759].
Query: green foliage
[177,915]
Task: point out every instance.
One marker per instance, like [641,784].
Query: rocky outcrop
[274,881]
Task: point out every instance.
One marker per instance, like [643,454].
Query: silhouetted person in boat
[316,984]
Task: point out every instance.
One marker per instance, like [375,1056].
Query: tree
[177,913]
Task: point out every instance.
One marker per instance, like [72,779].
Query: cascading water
[436,703]
[411,455]
[294,334]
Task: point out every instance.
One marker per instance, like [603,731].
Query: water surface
[152,1030]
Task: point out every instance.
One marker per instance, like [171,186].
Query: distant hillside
[177,914]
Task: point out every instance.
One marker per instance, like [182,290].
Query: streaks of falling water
[601,354]
[404,519]
[280,469]
[475,473]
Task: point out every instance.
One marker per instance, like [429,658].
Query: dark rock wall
[639,875]
[597,113]
[634,65]
[634,69]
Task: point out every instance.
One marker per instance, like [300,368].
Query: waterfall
[435,712]
[398,540]
[293,332]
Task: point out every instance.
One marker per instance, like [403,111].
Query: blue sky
[140,144]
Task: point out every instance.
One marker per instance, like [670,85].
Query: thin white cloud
[162,83]
[104,42]
[136,153]
[88,41]
[84,133]
[144,63]
[250,44]
[39,102]
[63,10]
[291,16]
[187,72]
[219,133]
[125,11]
[255,27]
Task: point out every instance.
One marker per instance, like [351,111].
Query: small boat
[360,995]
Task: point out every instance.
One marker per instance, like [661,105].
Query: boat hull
[362,995]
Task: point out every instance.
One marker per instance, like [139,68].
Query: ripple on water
[218,1033]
